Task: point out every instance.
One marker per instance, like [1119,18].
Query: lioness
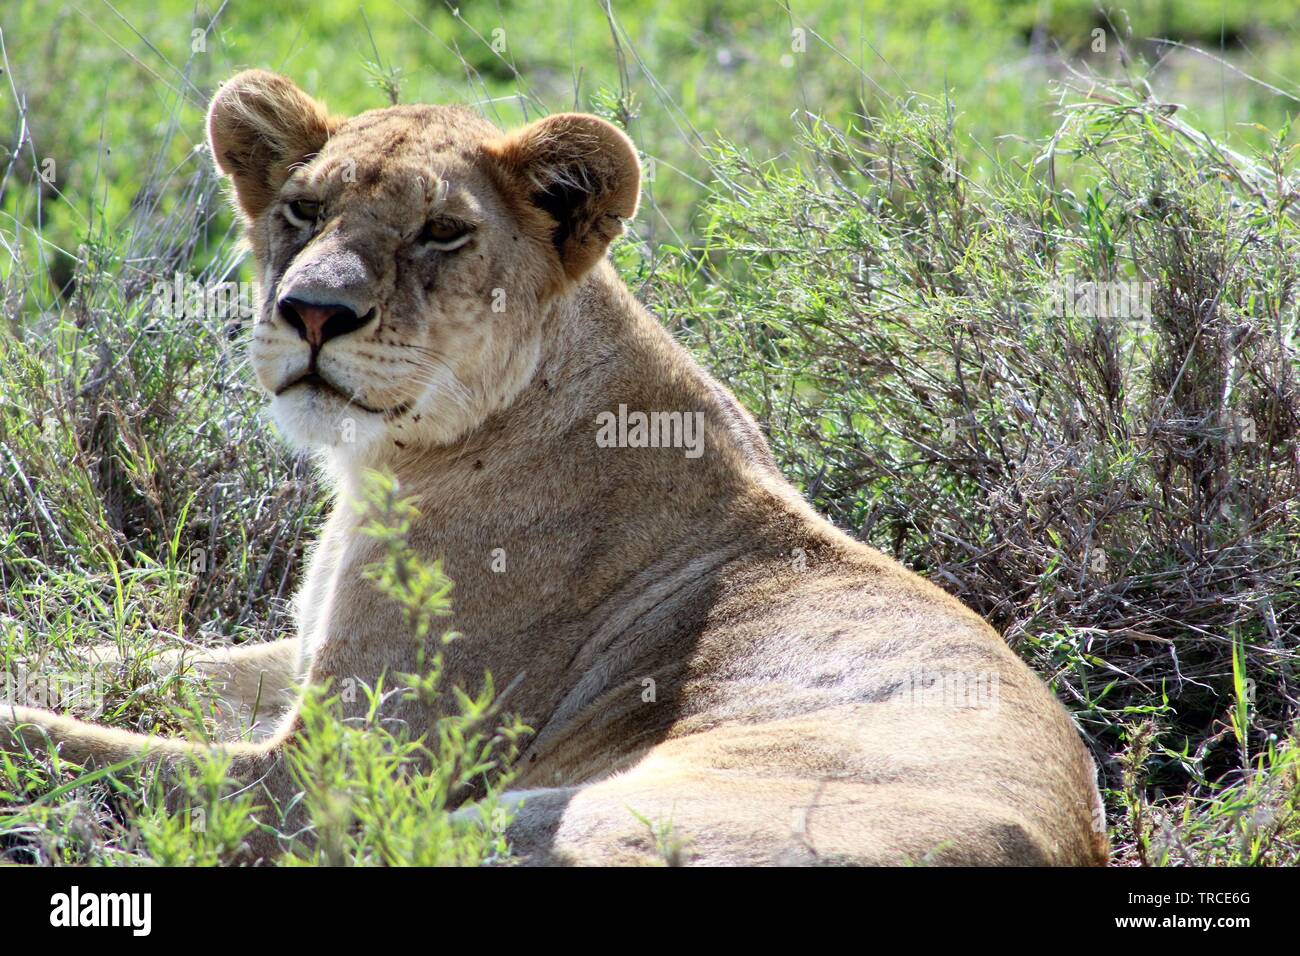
[436,302]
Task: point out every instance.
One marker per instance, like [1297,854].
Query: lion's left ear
[578,177]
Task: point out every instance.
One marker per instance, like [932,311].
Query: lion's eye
[302,212]
[445,234]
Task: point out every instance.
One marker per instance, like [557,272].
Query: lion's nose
[317,324]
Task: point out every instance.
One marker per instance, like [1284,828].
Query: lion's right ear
[260,125]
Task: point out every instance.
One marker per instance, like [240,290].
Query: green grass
[859,227]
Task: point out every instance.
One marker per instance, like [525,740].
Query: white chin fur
[310,420]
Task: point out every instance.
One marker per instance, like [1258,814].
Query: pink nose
[317,324]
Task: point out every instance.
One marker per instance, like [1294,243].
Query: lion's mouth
[314,379]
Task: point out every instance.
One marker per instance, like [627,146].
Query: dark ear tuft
[579,177]
[260,125]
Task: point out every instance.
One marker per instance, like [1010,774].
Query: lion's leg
[253,765]
[841,787]
[254,684]
[93,745]
[719,818]
[644,818]
[666,810]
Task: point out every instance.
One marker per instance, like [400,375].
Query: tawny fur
[779,649]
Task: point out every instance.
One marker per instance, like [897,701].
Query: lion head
[408,257]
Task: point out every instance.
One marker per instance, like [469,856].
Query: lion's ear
[578,177]
[260,125]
